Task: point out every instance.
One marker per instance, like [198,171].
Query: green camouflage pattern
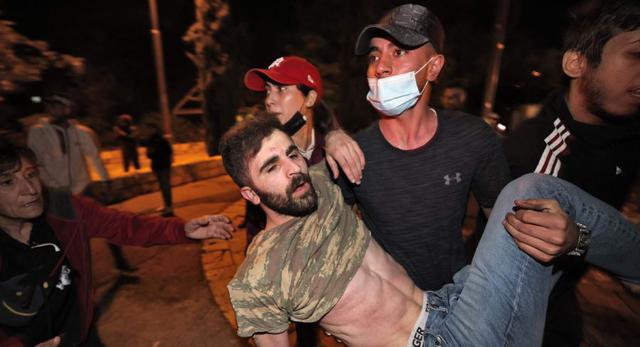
[299,270]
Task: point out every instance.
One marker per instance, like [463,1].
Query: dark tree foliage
[23,64]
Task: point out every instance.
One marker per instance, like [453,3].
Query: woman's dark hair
[242,142]
[11,154]
[324,120]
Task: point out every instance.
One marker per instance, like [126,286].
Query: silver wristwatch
[584,240]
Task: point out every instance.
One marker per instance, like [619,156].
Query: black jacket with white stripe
[603,160]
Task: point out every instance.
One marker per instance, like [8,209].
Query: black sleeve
[347,189]
[492,173]
[523,147]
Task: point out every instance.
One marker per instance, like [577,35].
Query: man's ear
[463,97]
[574,64]
[250,195]
[311,98]
[435,67]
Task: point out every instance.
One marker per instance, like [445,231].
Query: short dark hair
[10,155]
[242,142]
[589,33]
[323,118]
[455,83]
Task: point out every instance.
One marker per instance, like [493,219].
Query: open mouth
[32,203]
[300,185]
[635,93]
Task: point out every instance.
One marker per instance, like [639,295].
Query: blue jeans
[501,298]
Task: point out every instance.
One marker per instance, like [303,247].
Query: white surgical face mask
[395,94]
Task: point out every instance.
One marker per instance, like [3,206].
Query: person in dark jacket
[161,154]
[127,135]
[587,133]
[45,265]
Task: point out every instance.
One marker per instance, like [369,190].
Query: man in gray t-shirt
[421,164]
[414,201]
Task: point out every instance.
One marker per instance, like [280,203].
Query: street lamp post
[493,72]
[156,38]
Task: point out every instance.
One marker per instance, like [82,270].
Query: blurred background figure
[161,154]
[127,135]
[454,96]
[63,147]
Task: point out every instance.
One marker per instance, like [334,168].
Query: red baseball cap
[286,71]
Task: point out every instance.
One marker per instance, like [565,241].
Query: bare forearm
[272,340]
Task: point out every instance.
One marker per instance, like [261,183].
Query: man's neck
[577,104]
[302,138]
[413,128]
[61,121]
[19,230]
[275,219]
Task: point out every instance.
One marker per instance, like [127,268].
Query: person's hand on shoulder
[344,151]
[209,226]
[542,229]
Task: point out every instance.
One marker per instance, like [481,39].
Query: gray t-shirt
[414,201]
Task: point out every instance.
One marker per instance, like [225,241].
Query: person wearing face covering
[421,163]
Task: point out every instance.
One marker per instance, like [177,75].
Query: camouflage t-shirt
[299,270]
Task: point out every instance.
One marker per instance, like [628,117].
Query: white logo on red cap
[276,62]
[310,79]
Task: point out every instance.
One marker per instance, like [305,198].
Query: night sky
[113,36]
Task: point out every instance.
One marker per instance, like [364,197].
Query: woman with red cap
[294,92]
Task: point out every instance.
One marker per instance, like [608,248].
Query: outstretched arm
[342,150]
[542,229]
[272,340]
[218,226]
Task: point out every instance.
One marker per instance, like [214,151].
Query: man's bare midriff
[379,306]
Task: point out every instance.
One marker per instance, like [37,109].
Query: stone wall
[191,163]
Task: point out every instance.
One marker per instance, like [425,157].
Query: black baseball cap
[409,25]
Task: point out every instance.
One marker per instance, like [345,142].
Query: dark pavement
[167,301]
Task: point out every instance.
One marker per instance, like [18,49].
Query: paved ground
[171,304]
[180,298]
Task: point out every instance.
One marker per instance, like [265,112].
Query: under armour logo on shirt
[448,180]
[276,62]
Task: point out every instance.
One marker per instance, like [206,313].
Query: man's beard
[595,103]
[288,205]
